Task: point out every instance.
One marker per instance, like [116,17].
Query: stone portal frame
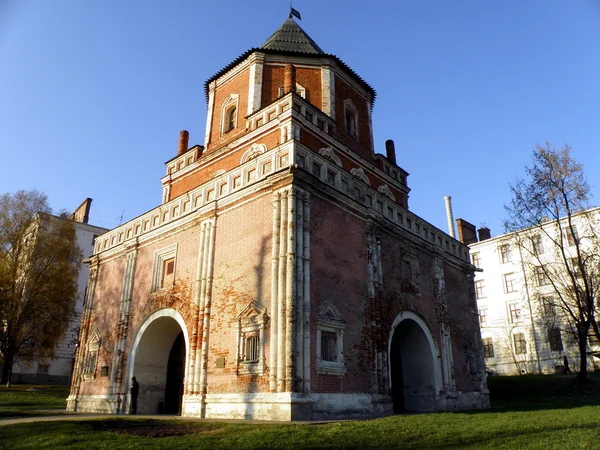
[435,353]
[162,313]
[91,356]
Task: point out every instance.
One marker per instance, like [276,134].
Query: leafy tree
[39,264]
[556,234]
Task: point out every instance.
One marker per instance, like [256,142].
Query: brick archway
[415,371]
[149,357]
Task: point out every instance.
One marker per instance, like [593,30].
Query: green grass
[533,412]
[27,400]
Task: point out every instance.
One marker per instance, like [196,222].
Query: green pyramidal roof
[291,38]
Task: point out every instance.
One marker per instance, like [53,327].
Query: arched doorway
[415,373]
[157,360]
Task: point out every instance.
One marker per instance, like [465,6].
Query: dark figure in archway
[566,364]
[135,390]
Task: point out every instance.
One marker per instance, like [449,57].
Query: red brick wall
[362,144]
[236,85]
[310,79]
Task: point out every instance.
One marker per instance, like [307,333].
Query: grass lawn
[529,412]
[32,400]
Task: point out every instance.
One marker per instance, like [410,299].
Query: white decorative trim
[91,355]
[217,174]
[252,320]
[160,256]
[385,190]
[328,153]
[360,173]
[254,151]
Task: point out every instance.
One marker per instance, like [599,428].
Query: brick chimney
[184,136]
[484,233]
[466,232]
[289,80]
[390,151]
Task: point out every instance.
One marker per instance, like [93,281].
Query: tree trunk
[7,369]
[582,333]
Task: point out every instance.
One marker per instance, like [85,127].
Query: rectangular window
[514,312]
[520,344]
[537,245]
[510,284]
[548,307]
[483,317]
[505,254]
[43,369]
[488,348]
[309,116]
[479,289]
[167,272]
[316,169]
[554,339]
[320,124]
[301,161]
[572,237]
[541,277]
[369,200]
[574,266]
[104,371]
[345,186]
[379,207]
[251,347]
[331,177]
[328,346]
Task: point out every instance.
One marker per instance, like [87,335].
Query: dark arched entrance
[412,369]
[175,375]
[159,365]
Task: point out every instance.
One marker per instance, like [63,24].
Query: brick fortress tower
[283,276]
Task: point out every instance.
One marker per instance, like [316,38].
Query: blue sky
[93,93]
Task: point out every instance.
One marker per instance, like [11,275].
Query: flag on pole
[296,13]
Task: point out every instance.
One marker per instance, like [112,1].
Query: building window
[330,340]
[163,271]
[104,371]
[91,356]
[316,169]
[488,348]
[537,245]
[510,284]
[351,119]
[548,307]
[505,254]
[479,289]
[572,237]
[331,177]
[43,369]
[251,347]
[168,271]
[229,114]
[514,312]
[519,343]
[483,317]
[554,339]
[574,266]
[541,277]
[251,337]
[475,258]
[328,346]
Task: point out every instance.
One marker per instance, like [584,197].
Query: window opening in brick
[488,348]
[328,346]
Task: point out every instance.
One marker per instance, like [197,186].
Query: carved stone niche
[252,322]
[91,356]
[254,152]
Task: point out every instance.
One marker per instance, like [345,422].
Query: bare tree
[556,234]
[39,263]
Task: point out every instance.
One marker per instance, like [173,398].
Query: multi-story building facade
[283,276]
[525,327]
[59,370]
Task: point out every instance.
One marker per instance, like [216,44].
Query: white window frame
[330,320]
[252,321]
[160,256]
[232,101]
[92,349]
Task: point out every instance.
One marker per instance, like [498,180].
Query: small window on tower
[351,119]
[230,118]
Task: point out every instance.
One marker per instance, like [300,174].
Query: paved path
[71,416]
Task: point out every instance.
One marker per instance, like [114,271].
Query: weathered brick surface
[362,144]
